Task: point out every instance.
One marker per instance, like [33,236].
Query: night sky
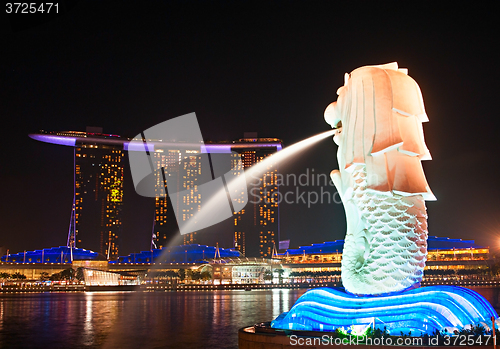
[266,67]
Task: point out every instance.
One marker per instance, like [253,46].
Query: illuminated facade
[444,254]
[193,253]
[98,198]
[62,255]
[187,164]
[99,191]
[256,227]
[96,216]
[241,271]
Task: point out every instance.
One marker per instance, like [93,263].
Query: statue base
[424,310]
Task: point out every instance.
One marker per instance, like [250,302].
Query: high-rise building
[96,218]
[98,196]
[256,227]
[184,167]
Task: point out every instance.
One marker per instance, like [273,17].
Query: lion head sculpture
[379,114]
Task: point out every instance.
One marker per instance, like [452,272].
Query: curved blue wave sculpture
[422,310]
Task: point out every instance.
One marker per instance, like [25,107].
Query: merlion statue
[378,120]
[378,116]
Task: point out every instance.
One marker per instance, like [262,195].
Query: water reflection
[203,319]
[279,301]
[88,332]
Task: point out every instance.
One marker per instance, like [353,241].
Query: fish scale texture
[389,254]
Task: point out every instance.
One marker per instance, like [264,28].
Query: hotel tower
[96,220]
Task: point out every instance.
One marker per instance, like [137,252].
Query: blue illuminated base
[422,310]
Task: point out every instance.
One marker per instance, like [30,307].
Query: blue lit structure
[178,254]
[433,243]
[60,254]
[422,310]
[440,243]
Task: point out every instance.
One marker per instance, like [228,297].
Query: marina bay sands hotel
[97,213]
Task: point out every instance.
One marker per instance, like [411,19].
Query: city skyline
[96,217]
[272,70]
[268,67]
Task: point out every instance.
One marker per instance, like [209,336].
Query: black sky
[268,67]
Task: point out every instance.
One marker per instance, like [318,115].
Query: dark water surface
[204,319]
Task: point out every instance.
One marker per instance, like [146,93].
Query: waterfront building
[98,195]
[240,271]
[49,260]
[450,260]
[96,216]
[193,253]
[227,266]
[444,256]
[62,255]
[98,198]
[132,269]
[256,227]
[186,164]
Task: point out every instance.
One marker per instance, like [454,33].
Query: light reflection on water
[203,319]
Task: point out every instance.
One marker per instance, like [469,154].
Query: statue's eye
[339,124]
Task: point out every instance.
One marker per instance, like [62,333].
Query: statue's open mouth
[338,131]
